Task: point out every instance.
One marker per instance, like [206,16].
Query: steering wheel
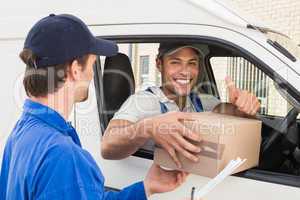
[271,147]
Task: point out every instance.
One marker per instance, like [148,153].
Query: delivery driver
[43,157]
[145,118]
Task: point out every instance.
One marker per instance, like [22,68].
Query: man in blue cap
[43,157]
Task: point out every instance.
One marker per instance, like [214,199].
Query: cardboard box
[224,137]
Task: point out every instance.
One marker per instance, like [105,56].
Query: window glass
[143,56]
[144,69]
[247,76]
[244,74]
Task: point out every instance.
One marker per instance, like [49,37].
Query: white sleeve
[209,101]
[138,106]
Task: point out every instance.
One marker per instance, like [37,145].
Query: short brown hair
[38,82]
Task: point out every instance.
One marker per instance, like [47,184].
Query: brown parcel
[224,138]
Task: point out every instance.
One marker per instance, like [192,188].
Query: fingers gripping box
[224,137]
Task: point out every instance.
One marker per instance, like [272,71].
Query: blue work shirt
[43,159]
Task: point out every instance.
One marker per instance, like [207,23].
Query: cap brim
[103,47]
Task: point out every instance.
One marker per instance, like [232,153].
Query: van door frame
[255,174]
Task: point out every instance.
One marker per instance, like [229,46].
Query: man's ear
[159,64]
[74,70]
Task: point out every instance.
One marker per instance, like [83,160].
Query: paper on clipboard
[228,170]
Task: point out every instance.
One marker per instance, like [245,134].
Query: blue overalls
[193,97]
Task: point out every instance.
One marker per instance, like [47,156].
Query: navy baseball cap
[57,39]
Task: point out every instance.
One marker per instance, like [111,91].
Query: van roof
[211,12]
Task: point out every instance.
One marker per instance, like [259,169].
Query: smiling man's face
[179,72]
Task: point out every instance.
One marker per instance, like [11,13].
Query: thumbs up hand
[242,99]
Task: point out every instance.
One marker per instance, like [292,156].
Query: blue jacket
[43,159]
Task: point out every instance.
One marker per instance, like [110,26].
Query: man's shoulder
[32,128]
[148,92]
[138,106]
[40,135]
[208,101]
[207,96]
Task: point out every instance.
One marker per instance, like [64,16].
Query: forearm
[121,140]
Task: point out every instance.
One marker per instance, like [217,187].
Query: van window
[142,57]
[248,76]
[218,63]
[144,69]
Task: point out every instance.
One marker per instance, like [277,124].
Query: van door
[221,60]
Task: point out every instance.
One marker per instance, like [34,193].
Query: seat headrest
[118,82]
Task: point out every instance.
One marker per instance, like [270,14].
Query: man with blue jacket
[43,157]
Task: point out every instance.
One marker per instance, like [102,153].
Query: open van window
[220,60]
[248,76]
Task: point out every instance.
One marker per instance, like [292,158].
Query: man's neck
[58,102]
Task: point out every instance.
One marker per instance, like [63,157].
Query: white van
[257,58]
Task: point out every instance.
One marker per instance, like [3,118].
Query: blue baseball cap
[57,39]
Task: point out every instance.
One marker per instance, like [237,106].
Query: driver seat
[118,85]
